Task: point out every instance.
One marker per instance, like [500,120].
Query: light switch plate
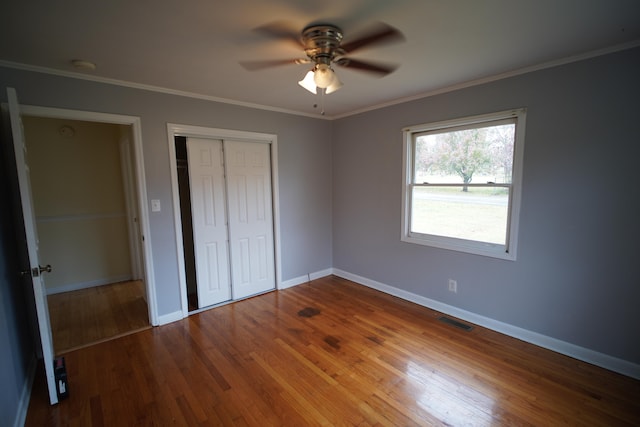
[155,205]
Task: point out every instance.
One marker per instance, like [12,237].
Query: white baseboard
[88,284]
[321,273]
[294,282]
[25,396]
[170,318]
[305,278]
[584,354]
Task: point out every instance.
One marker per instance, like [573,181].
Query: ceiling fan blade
[380,34]
[260,65]
[376,68]
[282,31]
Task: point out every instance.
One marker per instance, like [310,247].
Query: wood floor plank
[330,352]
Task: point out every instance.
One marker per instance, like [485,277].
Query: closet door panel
[248,169]
[208,212]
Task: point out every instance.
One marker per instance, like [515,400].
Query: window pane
[476,155]
[478,214]
[462,183]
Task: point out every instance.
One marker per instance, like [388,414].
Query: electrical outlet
[453,286]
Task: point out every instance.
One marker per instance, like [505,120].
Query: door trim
[174,130]
[141,187]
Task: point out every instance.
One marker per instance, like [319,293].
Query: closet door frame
[189,131]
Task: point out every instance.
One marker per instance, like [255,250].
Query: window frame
[508,251]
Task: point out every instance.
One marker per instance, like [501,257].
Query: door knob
[35,271]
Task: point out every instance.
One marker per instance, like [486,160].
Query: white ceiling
[195,46]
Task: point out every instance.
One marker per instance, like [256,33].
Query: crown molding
[451,88]
[495,77]
[151,88]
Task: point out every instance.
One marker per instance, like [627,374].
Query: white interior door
[42,308]
[128,178]
[248,169]
[207,187]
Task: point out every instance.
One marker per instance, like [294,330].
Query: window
[462,182]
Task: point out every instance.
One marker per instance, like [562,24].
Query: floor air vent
[455,323]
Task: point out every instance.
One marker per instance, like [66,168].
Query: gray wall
[577,276]
[304,160]
[17,348]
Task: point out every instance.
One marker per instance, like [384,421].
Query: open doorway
[84,196]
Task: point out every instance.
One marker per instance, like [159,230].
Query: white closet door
[206,179]
[248,166]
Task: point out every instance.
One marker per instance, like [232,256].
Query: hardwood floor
[92,315]
[330,353]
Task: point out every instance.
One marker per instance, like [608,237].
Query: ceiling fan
[323,46]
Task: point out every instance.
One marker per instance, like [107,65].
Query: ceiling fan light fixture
[337,84]
[324,76]
[308,82]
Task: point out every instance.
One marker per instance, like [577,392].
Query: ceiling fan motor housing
[322,43]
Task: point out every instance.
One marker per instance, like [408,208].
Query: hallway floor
[92,315]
